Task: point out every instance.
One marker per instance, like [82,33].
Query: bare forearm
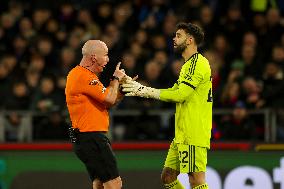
[119,97]
[112,93]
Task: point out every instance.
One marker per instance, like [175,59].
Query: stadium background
[40,41]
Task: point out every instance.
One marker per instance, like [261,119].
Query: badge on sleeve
[97,82]
[94,82]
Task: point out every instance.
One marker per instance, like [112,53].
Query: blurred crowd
[40,41]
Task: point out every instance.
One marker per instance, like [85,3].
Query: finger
[134,78]
[127,85]
[127,90]
[130,94]
[118,66]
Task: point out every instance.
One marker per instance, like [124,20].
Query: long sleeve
[174,87]
[179,94]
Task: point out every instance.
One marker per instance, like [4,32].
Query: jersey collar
[191,57]
[87,70]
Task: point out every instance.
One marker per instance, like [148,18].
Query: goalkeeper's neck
[188,52]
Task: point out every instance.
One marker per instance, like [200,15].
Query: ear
[189,40]
[93,57]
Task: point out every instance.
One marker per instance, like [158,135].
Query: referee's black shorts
[94,150]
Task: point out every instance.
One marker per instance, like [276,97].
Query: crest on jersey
[94,82]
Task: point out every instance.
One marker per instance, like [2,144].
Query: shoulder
[202,58]
[190,64]
[77,75]
[196,63]
[203,63]
[196,59]
[72,73]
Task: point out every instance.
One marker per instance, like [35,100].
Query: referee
[88,102]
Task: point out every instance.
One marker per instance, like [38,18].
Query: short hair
[193,30]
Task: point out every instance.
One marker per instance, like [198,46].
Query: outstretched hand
[131,87]
[134,88]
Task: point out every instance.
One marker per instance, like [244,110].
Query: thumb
[135,78]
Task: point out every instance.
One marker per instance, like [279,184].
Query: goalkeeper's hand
[126,79]
[134,88]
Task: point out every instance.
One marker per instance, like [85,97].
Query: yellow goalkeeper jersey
[193,96]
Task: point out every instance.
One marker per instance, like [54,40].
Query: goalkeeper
[192,94]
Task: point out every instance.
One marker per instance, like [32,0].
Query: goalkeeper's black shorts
[94,150]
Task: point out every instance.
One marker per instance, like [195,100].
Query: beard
[180,48]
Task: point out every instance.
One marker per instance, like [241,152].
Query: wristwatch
[114,77]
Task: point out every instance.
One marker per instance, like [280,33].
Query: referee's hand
[119,73]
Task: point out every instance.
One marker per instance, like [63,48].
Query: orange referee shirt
[85,95]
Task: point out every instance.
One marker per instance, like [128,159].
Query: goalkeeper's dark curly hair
[193,30]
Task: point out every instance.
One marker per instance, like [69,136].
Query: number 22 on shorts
[183,151]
